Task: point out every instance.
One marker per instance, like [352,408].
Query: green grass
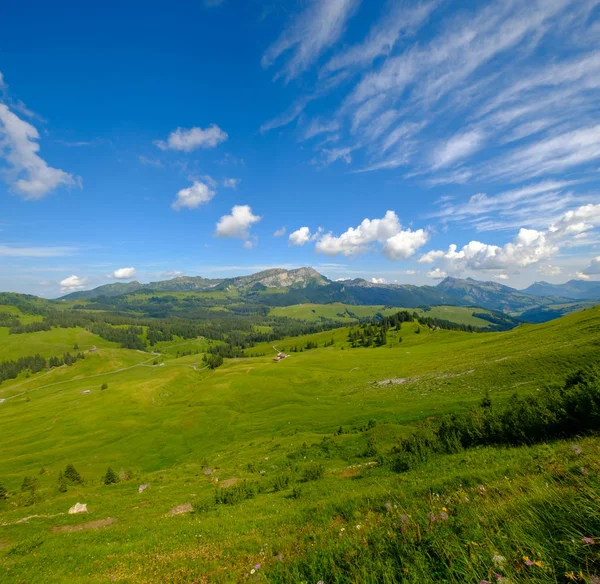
[348,313]
[166,423]
[47,343]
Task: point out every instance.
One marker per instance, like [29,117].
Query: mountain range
[279,287]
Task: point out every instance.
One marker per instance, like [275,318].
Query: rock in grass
[78,508]
[143,487]
[186,508]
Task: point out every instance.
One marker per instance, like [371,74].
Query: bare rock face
[143,487]
[78,508]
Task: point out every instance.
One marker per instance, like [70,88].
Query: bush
[235,494]
[281,482]
[313,472]
[62,483]
[111,477]
[104,386]
[555,412]
[3,493]
[72,476]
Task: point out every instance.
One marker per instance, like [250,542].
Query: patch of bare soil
[228,483]
[84,526]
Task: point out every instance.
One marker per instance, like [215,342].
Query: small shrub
[235,494]
[296,493]
[313,472]
[72,476]
[111,477]
[3,493]
[281,482]
[104,386]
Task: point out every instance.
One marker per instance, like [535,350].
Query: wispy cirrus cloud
[308,35]
[454,107]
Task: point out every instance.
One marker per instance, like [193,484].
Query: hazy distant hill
[573,289]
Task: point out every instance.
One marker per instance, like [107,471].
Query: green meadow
[267,471]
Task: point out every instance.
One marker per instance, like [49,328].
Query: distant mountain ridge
[280,287]
[573,289]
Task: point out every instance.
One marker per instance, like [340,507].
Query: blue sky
[389,140]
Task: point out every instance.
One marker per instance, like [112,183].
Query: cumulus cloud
[187,140]
[280,232]
[29,175]
[594,267]
[397,244]
[378,281]
[123,274]
[549,270]
[192,197]
[437,274]
[72,283]
[582,276]
[309,34]
[404,244]
[530,246]
[355,240]
[237,224]
[303,235]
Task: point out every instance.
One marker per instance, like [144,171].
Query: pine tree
[72,476]
[111,477]
[62,483]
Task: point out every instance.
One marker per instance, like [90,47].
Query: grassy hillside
[312,436]
[351,313]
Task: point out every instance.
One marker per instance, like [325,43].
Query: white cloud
[172,274]
[530,246]
[187,140]
[303,235]
[582,276]
[231,183]
[594,267]
[502,276]
[280,232]
[35,252]
[123,274]
[194,196]
[29,175]
[457,148]
[401,20]
[317,127]
[238,223]
[437,274]
[72,283]
[404,244]
[551,155]
[3,86]
[309,34]
[549,270]
[378,281]
[355,240]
